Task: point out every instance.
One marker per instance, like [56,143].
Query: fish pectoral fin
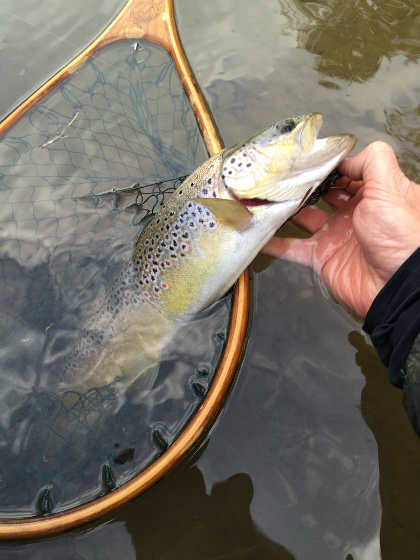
[228,212]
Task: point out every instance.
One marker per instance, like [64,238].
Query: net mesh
[80,174]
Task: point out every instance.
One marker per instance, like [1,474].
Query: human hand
[374,228]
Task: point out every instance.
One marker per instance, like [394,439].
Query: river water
[313,456]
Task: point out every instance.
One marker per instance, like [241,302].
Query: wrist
[393,320]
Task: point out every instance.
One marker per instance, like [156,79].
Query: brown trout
[198,244]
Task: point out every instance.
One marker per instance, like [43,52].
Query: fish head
[285,163]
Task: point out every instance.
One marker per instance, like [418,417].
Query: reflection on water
[352,43]
[294,424]
[398,451]
[350,39]
[358,63]
[177,519]
[37,41]
[403,123]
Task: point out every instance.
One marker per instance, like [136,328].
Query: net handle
[153,20]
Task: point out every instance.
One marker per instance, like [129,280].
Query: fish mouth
[312,161]
[252,202]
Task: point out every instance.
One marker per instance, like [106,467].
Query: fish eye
[288,126]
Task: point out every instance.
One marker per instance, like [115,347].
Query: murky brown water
[313,456]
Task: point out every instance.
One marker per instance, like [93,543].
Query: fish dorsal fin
[229,212]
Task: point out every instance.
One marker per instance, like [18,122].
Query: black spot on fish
[209,181]
[248,164]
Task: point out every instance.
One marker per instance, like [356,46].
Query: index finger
[353,167]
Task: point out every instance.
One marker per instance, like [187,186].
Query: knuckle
[379,146]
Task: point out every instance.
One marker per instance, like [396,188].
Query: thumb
[377,162]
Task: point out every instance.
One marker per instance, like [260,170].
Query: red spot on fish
[168,263]
[124,318]
[110,352]
[164,285]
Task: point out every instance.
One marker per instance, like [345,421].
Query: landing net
[80,174]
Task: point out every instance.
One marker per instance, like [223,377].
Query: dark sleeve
[393,323]
[411,387]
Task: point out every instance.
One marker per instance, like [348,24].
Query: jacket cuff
[393,320]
